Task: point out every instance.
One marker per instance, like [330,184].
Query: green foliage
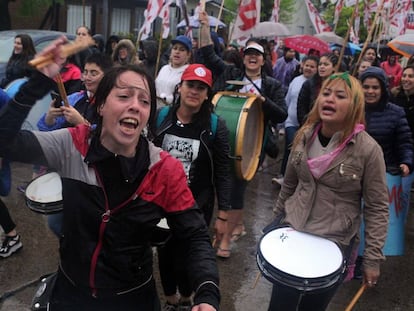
[344,20]
[33,7]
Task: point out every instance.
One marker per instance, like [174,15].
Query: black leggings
[6,221]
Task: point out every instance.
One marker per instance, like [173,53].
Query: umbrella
[403,44]
[350,48]
[195,23]
[303,43]
[330,37]
[270,29]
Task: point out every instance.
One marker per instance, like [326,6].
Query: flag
[247,17]
[150,14]
[165,16]
[275,12]
[357,23]
[318,23]
[398,17]
[338,9]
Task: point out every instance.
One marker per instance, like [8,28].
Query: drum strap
[163,112]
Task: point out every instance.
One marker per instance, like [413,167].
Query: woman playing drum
[268,89]
[334,164]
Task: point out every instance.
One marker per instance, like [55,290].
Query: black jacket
[211,169]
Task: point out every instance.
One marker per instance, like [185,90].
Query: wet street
[241,288]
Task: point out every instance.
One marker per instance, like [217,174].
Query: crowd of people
[140,142]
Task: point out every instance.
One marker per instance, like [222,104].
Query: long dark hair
[202,117]
[28,48]
[109,81]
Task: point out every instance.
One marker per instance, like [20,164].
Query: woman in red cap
[200,140]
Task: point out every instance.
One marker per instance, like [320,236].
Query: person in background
[269,91]
[110,44]
[170,75]
[333,165]
[363,65]
[310,88]
[285,67]
[82,33]
[11,242]
[403,96]
[71,76]
[200,140]
[147,52]
[99,46]
[393,70]
[310,68]
[116,186]
[17,65]
[125,53]
[387,124]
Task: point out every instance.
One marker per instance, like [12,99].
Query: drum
[299,260]
[44,194]
[37,111]
[244,119]
[161,234]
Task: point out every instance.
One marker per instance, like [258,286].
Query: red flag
[398,17]
[247,18]
[318,23]
[338,9]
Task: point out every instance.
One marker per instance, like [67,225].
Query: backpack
[213,120]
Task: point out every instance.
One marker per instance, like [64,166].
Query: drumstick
[65,51]
[356,297]
[62,90]
[256,280]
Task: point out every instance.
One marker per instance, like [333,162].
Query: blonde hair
[356,111]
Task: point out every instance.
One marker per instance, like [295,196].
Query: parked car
[41,38]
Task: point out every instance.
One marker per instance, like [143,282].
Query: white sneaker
[278,180]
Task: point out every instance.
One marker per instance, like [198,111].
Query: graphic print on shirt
[183,149]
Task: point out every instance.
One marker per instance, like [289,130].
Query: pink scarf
[320,164]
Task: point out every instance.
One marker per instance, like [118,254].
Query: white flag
[165,15]
[275,12]
[150,14]
[318,23]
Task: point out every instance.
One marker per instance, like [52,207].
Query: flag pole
[369,37]
[345,42]
[219,14]
[157,64]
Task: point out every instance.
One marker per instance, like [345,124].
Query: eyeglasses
[199,86]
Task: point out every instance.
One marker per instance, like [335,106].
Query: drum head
[300,254]
[44,194]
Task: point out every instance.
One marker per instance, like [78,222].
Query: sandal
[236,236]
[223,253]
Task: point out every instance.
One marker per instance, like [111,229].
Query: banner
[247,17]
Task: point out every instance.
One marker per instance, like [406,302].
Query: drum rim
[238,143]
[52,207]
[335,275]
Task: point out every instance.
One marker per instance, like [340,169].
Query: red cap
[198,72]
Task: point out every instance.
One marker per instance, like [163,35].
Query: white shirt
[167,78]
[291,99]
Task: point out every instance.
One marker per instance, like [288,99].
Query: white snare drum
[299,260]
[44,194]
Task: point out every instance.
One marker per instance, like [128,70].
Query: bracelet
[222,219]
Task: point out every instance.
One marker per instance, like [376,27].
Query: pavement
[242,287]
